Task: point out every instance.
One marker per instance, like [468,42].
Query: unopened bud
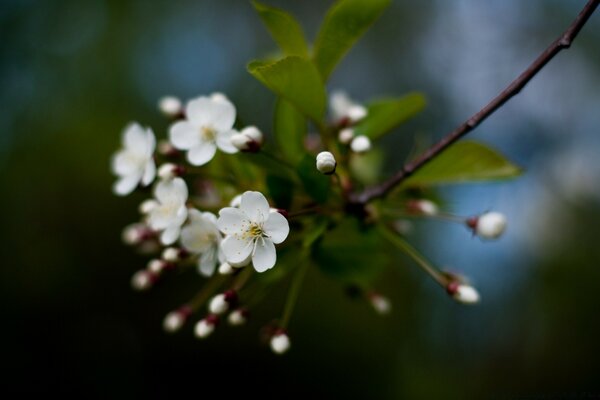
[222,302]
[424,207]
[360,144]
[147,206]
[248,139]
[463,293]
[236,201]
[175,319]
[219,97]
[143,280]
[381,304]
[280,343]
[356,112]
[170,171]
[156,266]
[346,135]
[134,234]
[206,326]
[326,163]
[237,317]
[490,225]
[225,269]
[170,106]
[173,254]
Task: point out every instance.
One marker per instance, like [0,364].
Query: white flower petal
[277,227]
[123,163]
[203,111]
[184,135]
[149,173]
[202,153]
[264,256]
[232,221]
[236,248]
[255,206]
[210,217]
[208,262]
[150,143]
[224,141]
[170,235]
[126,185]
[171,191]
[134,138]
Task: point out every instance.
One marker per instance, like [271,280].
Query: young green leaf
[465,161]
[284,29]
[386,114]
[290,129]
[315,183]
[295,79]
[344,24]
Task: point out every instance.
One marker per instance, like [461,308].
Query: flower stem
[293,294]
[440,215]
[414,254]
[242,278]
[208,290]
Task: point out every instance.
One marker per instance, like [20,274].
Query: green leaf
[295,79]
[345,22]
[386,114]
[281,190]
[351,253]
[315,183]
[290,129]
[284,29]
[366,168]
[464,161]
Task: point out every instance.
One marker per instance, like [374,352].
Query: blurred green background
[73,73]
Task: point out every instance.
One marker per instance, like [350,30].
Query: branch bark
[563,42]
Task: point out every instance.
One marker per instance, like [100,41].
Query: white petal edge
[208,262]
[236,249]
[184,135]
[277,227]
[232,221]
[224,142]
[202,153]
[173,191]
[170,235]
[126,185]
[255,206]
[264,256]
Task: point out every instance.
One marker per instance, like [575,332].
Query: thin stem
[208,290]
[242,278]
[563,42]
[440,215]
[306,211]
[293,294]
[415,255]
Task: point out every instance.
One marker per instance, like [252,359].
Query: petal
[277,227]
[236,248]
[224,141]
[203,111]
[170,235]
[202,153]
[264,256]
[134,138]
[210,217]
[208,262]
[126,184]
[184,135]
[124,162]
[150,143]
[172,191]
[232,221]
[160,217]
[255,206]
[149,173]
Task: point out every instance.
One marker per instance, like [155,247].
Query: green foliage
[366,168]
[290,129]
[351,253]
[465,161]
[386,114]
[315,183]
[281,190]
[295,79]
[344,24]
[284,29]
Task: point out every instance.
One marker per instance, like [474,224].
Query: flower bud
[280,343]
[206,326]
[173,254]
[326,163]
[166,148]
[424,207]
[222,302]
[170,171]
[175,319]
[346,135]
[170,106]
[156,266]
[463,293]
[143,280]
[225,269]
[147,206]
[381,304]
[134,234]
[248,139]
[360,144]
[356,112]
[238,317]
[236,201]
[219,97]
[490,225]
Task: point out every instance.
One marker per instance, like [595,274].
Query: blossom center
[208,134]
[255,230]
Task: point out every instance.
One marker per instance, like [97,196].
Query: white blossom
[201,236]
[280,343]
[342,107]
[490,225]
[346,135]
[360,144]
[134,163]
[252,231]
[326,163]
[208,126]
[171,211]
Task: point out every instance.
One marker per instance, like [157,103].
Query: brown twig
[563,42]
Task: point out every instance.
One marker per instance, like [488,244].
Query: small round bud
[237,317]
[236,201]
[169,171]
[463,293]
[166,148]
[360,144]
[219,97]
[225,269]
[175,319]
[356,112]
[147,206]
[171,254]
[248,139]
[424,207]
[346,135]
[490,225]
[134,234]
[170,106]
[326,163]
[381,304]
[206,326]
[280,343]
[222,302]
[143,280]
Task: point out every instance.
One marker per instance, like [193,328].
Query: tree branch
[563,42]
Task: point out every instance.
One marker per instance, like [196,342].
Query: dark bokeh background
[73,73]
